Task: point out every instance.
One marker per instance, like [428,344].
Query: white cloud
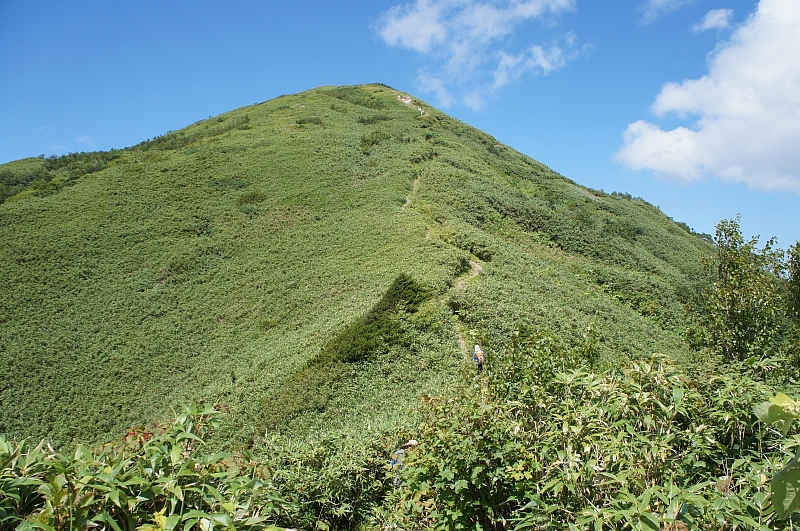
[474,100]
[414,26]
[746,110]
[535,58]
[463,41]
[714,19]
[652,9]
[429,83]
[87,140]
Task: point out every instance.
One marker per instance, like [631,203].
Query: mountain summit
[319,259]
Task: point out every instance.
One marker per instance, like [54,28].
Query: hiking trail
[475,270]
[414,187]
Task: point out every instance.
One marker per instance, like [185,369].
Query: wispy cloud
[86,140]
[652,9]
[431,84]
[416,26]
[714,19]
[465,42]
[746,110]
[536,58]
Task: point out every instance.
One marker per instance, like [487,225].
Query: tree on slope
[754,294]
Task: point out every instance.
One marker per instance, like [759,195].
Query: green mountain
[313,263]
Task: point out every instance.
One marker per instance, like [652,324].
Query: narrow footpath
[474,272]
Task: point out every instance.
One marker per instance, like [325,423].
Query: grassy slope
[213,262]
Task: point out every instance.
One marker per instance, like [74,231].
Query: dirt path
[413,191]
[476,269]
[474,272]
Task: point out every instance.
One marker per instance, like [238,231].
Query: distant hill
[252,260]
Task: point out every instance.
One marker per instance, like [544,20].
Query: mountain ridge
[215,261]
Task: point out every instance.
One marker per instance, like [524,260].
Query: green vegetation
[216,262]
[44,176]
[643,446]
[384,326]
[750,309]
[150,480]
[314,265]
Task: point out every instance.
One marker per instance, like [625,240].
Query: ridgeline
[307,263]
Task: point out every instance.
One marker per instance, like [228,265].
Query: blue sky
[693,105]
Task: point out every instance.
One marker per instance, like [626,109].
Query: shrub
[251,198]
[373,119]
[746,308]
[645,446]
[372,139]
[311,388]
[330,483]
[356,96]
[160,478]
[316,120]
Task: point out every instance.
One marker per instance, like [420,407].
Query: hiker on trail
[397,460]
[478,357]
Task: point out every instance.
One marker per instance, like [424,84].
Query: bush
[153,479]
[330,483]
[311,388]
[749,309]
[646,446]
[373,119]
[251,198]
[372,139]
[356,96]
[53,173]
[316,120]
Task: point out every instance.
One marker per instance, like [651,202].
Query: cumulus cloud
[652,9]
[714,19]
[464,41]
[745,111]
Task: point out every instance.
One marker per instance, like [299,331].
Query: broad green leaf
[105,517]
[171,522]
[115,495]
[650,520]
[175,454]
[222,518]
[677,395]
[187,435]
[785,488]
[784,401]
[770,413]
[195,514]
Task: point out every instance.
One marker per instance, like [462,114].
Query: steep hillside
[220,261]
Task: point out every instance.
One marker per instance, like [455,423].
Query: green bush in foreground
[152,480]
[647,446]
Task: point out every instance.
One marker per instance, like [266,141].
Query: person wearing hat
[478,357]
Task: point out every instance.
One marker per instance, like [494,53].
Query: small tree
[793,281]
[745,308]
